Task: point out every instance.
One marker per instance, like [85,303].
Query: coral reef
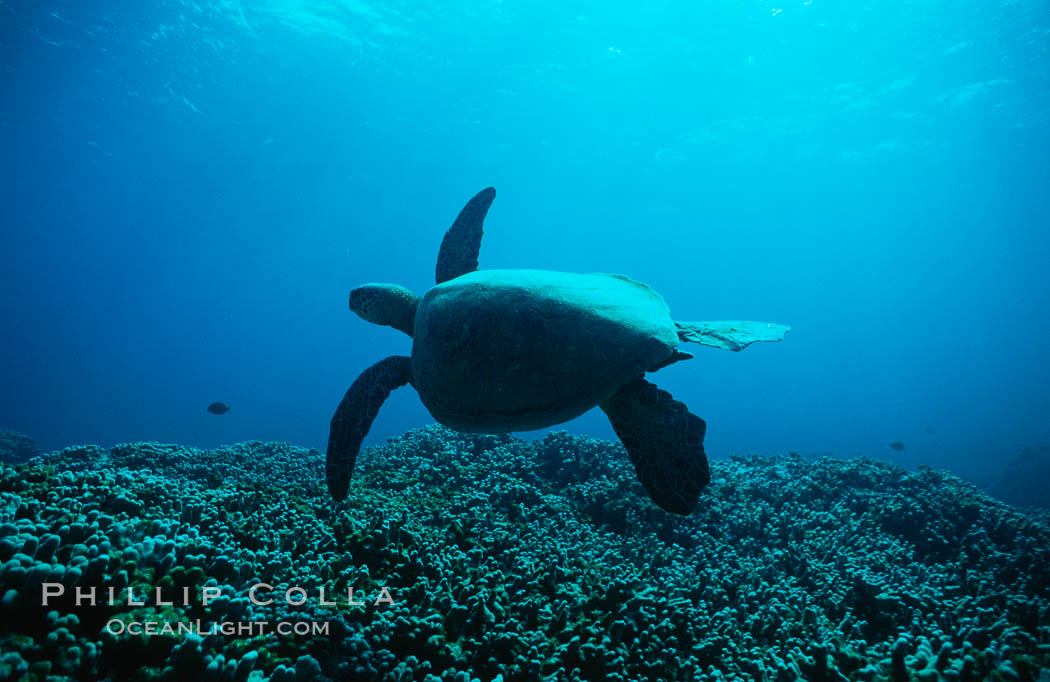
[1023,480]
[16,447]
[509,560]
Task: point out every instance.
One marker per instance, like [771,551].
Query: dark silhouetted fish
[895,445]
[218,408]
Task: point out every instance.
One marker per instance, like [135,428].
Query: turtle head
[386,304]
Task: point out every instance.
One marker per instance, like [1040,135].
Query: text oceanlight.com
[251,628]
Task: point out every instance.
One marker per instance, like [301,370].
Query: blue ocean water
[190,190]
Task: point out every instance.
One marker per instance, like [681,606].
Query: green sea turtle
[496,351]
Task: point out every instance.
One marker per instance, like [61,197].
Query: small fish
[895,445]
[218,408]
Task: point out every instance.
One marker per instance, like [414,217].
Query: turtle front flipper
[730,334]
[462,243]
[355,415]
[665,442]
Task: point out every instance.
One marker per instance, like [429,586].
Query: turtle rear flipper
[665,442]
[462,243]
[730,334]
[355,415]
